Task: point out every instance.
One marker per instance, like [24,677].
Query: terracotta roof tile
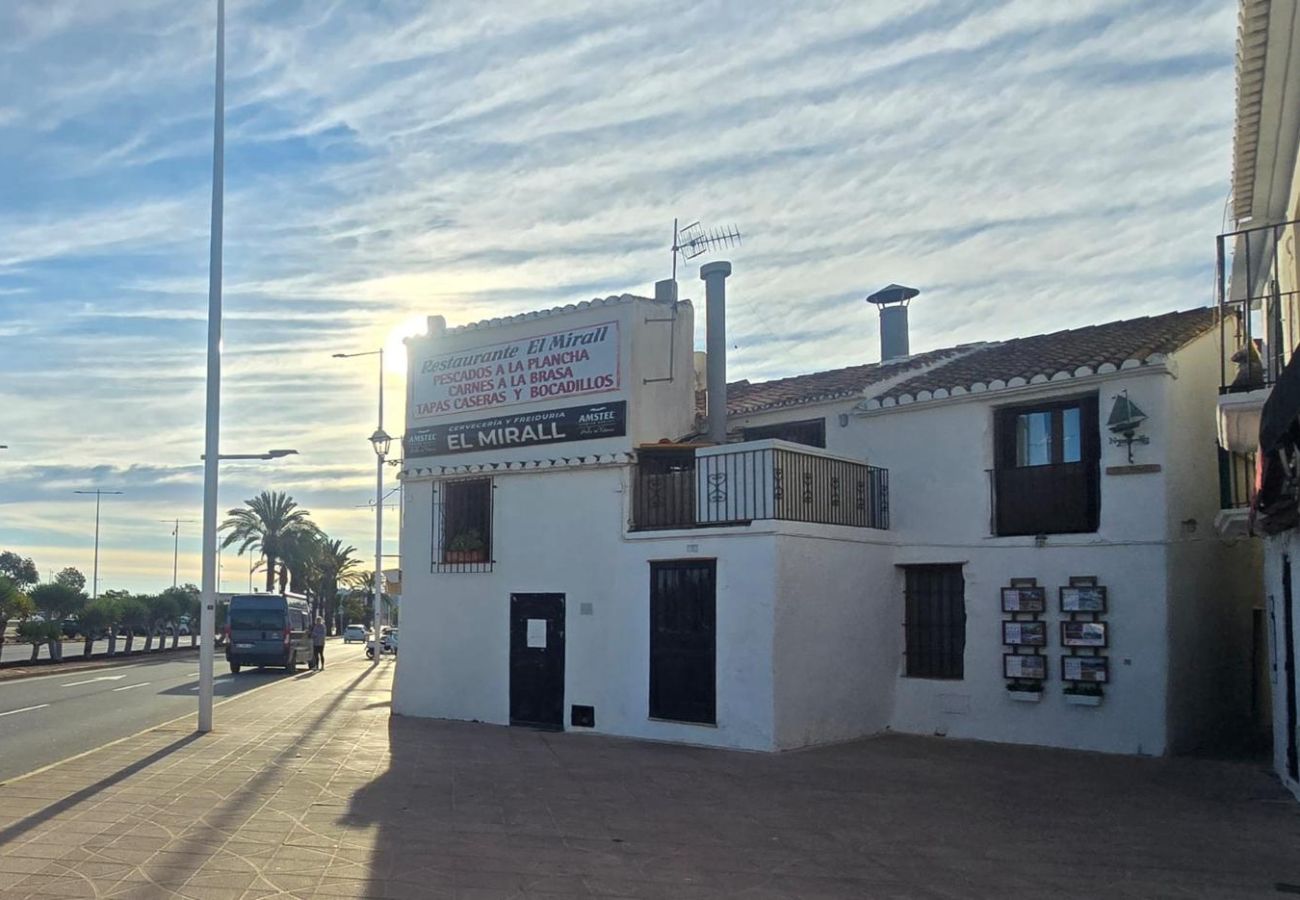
[1064,351]
[1044,354]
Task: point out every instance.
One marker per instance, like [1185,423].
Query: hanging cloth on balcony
[1277,425]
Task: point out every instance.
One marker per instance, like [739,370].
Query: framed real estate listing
[1024,634]
[1020,665]
[1024,599]
[1095,669]
[1083,634]
[1086,598]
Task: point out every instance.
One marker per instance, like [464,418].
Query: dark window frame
[813,432]
[934,622]
[461,506]
[1059,497]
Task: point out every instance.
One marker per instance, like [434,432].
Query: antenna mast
[695,240]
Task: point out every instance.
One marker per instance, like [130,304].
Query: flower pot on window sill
[1025,696]
[1083,699]
[459,557]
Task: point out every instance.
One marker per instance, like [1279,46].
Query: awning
[1281,409]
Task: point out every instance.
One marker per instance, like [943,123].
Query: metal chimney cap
[721,267]
[894,293]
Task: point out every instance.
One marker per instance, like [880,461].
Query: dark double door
[537,660]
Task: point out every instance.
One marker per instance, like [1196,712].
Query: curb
[14,671]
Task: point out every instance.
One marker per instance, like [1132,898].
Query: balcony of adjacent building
[1256,286]
[689,487]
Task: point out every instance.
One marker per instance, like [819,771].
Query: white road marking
[14,712]
[93,680]
[130,686]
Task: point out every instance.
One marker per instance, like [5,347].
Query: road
[51,717]
[72,647]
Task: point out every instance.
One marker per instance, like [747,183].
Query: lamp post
[381,442]
[176,544]
[94,583]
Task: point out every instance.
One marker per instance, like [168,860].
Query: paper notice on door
[537,633]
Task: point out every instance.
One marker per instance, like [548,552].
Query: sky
[1029,164]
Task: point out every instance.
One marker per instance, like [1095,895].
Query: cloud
[1030,166]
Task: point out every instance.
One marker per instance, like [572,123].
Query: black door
[1288,668]
[683,620]
[537,660]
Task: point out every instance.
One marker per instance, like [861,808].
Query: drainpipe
[714,275]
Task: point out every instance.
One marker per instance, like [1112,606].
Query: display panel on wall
[1083,599]
[1018,665]
[552,426]
[1024,634]
[1085,668]
[1083,634]
[553,366]
[1024,599]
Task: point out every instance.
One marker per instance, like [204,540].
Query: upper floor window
[811,432]
[463,525]
[1046,477]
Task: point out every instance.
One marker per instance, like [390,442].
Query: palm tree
[300,562]
[339,566]
[264,524]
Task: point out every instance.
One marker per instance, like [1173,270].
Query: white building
[1259,292]
[847,562]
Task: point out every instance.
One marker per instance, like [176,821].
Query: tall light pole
[94,583]
[176,544]
[380,441]
[211,441]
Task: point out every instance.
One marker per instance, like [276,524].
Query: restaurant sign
[537,369]
[552,426]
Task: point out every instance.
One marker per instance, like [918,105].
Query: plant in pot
[1081,693]
[1025,690]
[466,547]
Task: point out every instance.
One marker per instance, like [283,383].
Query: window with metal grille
[935,621]
[463,526]
[811,432]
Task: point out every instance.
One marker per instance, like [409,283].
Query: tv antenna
[694,239]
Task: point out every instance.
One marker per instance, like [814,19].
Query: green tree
[22,571]
[59,601]
[355,608]
[133,614]
[34,633]
[115,598]
[71,577]
[339,567]
[180,599]
[99,615]
[301,562]
[264,524]
[188,604]
[163,610]
[14,604]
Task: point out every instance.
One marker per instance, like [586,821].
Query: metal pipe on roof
[714,275]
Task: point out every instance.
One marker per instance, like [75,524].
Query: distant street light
[269,454]
[176,546]
[94,584]
[381,442]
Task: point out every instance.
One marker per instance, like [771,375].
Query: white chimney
[714,276]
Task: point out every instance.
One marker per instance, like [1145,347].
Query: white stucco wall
[1277,550]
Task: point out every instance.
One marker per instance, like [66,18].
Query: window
[811,432]
[1046,477]
[935,622]
[463,526]
[683,611]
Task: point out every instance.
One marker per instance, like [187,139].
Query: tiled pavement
[309,789]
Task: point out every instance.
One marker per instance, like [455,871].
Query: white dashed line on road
[130,686]
[93,680]
[14,712]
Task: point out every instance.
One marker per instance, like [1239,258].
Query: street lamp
[176,545]
[381,442]
[269,454]
[94,584]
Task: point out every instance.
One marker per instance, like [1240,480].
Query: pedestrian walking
[318,645]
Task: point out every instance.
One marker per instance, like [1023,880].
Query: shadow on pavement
[22,826]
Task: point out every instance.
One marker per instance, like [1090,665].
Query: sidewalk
[310,789]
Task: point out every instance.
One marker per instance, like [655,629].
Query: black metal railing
[1236,479]
[1258,323]
[679,488]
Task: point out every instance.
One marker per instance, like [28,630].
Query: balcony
[1236,493]
[735,484]
[1260,321]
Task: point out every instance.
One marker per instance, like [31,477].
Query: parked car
[268,630]
[355,633]
[70,628]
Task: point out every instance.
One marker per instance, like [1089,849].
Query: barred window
[463,526]
[935,621]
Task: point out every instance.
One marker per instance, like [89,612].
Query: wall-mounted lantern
[1125,419]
